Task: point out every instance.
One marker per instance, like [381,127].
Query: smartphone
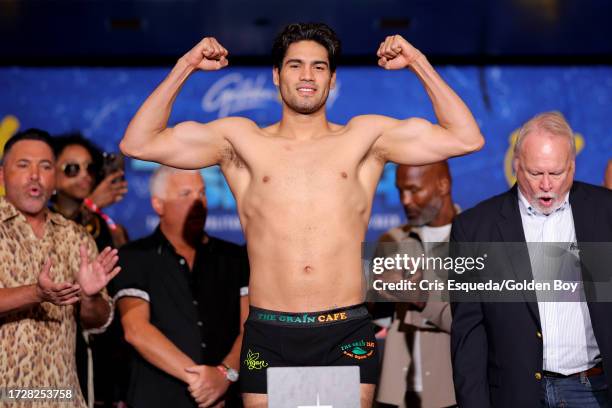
[112,162]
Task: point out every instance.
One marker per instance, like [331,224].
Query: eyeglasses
[73,169]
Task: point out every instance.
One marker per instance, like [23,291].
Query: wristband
[91,206]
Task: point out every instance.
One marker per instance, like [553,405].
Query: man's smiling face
[305,78]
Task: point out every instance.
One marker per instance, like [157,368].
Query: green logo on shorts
[358,349]
[253,362]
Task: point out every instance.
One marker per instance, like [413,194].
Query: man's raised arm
[417,141]
[188,144]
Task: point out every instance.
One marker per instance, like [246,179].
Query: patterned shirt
[37,346]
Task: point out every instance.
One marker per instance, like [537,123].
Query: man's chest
[326,167]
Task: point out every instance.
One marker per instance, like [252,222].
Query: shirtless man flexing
[304,189]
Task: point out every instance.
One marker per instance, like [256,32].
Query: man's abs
[320,283]
[305,252]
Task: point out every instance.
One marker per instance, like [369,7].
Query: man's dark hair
[30,134]
[318,32]
[61,142]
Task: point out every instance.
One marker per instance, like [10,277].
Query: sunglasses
[73,169]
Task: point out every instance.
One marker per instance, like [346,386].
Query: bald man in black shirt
[183,300]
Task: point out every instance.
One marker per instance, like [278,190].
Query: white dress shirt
[569,341]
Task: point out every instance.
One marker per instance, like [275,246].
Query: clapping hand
[94,275]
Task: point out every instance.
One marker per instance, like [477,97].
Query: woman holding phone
[84,188]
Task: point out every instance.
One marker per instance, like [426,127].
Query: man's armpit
[378,153]
[230,157]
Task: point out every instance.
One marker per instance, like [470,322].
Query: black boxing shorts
[338,337]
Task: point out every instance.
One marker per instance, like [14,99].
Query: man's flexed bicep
[417,141]
[189,144]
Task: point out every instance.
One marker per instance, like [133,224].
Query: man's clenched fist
[396,53]
[207,55]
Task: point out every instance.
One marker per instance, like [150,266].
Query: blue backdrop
[100,102]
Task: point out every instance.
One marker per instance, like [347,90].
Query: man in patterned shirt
[50,274]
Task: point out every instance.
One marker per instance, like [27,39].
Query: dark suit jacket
[497,348]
